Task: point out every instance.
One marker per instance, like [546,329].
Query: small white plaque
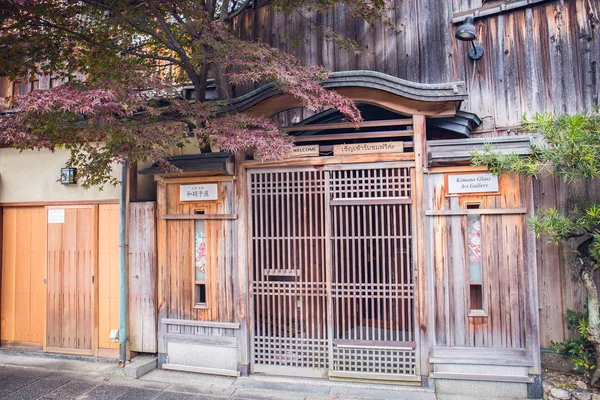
[56,216]
[472,183]
[305,151]
[199,192]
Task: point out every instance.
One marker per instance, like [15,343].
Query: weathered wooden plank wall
[142,277]
[541,58]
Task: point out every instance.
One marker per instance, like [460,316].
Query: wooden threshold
[374,376]
[343,125]
[201,370]
[15,344]
[60,350]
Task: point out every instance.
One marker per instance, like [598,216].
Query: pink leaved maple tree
[132,59]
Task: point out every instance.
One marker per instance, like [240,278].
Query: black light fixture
[67,176]
[467,33]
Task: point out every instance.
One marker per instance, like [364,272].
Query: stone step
[315,388]
[140,366]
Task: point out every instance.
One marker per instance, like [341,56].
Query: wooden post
[161,240]
[532,324]
[421,273]
[240,244]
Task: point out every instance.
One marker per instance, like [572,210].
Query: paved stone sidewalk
[23,377]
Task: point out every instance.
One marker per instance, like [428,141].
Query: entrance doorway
[331,252]
[70,282]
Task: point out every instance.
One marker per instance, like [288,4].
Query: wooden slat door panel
[71,269]
[23,272]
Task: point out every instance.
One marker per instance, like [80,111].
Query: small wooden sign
[368,148]
[199,192]
[311,150]
[56,216]
[472,183]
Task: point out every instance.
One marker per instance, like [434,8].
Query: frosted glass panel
[474,245]
[200,250]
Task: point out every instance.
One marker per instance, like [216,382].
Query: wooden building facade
[372,254]
[364,257]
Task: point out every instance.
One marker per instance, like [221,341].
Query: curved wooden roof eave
[367,87]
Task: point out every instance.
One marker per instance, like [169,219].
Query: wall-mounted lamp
[467,33]
[67,176]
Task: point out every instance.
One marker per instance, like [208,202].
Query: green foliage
[569,147]
[578,348]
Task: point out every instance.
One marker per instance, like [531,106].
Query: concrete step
[140,366]
[317,389]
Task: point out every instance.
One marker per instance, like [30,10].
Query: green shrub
[578,348]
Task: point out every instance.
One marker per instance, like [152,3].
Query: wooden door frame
[94,316]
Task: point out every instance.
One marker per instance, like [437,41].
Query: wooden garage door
[71,266]
[23,271]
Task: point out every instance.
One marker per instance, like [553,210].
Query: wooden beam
[187,217]
[348,136]
[203,324]
[307,161]
[478,211]
[344,125]
[482,377]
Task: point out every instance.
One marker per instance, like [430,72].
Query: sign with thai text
[198,192]
[56,216]
[305,151]
[367,148]
[472,183]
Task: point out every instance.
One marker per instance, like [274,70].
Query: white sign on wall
[56,216]
[305,151]
[472,183]
[205,191]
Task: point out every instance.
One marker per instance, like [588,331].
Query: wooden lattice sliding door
[288,252]
[332,272]
[372,285]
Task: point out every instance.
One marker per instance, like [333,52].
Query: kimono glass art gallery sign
[472,183]
[206,191]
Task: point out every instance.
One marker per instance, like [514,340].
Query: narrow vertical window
[475,261]
[199,261]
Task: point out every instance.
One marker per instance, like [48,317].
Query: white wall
[32,176]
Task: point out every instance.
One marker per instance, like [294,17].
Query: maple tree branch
[128,50]
[240,10]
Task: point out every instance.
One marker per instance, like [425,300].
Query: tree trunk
[593,305]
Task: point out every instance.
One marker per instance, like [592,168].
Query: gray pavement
[26,377]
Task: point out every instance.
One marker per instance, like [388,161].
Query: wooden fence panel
[142,277]
[23,272]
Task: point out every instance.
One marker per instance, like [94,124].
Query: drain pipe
[123,267]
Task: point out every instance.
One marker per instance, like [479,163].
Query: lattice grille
[370,183]
[370,269]
[288,246]
[397,362]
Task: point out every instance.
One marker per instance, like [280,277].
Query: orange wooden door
[72,255]
[22,289]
